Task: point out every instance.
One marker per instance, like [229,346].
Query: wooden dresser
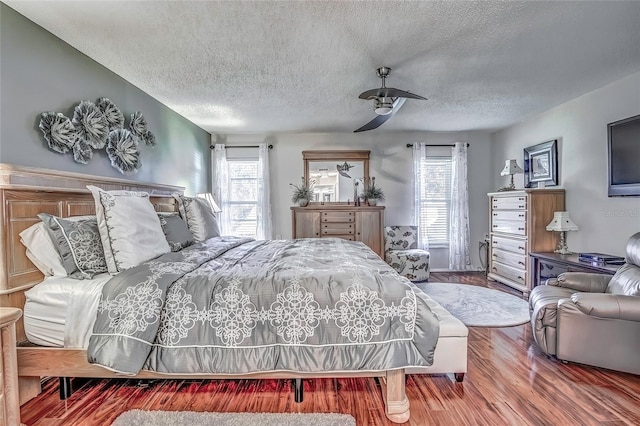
[342,221]
[518,221]
[9,393]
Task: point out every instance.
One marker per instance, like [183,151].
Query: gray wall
[39,72]
[391,164]
[580,126]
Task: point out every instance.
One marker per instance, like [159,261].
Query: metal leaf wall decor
[123,152]
[98,126]
[91,123]
[82,152]
[58,131]
[138,125]
[112,113]
[150,138]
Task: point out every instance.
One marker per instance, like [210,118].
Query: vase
[303,203]
[373,202]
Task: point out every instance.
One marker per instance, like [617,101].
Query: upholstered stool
[402,253]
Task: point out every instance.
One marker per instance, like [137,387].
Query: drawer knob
[520,248]
[316,233]
[520,278]
[520,215]
[520,229]
[494,268]
[495,226]
[521,263]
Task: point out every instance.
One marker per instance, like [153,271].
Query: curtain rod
[410,145]
[270,146]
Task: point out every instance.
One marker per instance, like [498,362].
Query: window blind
[243,194]
[435,199]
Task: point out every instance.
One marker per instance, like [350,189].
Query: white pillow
[41,251]
[129,228]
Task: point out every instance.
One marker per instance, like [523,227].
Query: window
[435,199]
[243,197]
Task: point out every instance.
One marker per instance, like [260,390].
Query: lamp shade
[511,168]
[561,222]
[209,197]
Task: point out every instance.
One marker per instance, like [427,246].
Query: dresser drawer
[337,217]
[509,203]
[519,216]
[338,225]
[332,230]
[508,258]
[517,227]
[344,237]
[517,275]
[509,244]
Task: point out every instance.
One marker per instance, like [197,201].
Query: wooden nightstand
[9,395]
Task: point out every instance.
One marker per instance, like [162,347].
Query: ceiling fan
[386,101]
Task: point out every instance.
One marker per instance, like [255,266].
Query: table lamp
[562,223]
[510,168]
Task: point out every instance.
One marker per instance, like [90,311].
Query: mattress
[61,311]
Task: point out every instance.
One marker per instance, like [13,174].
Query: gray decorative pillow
[78,243]
[176,231]
[199,215]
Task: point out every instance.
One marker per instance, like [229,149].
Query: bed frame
[24,193]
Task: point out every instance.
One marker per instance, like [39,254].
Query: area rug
[478,306]
[192,418]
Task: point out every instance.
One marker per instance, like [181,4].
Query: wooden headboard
[25,192]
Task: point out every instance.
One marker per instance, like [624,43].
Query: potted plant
[302,193]
[373,193]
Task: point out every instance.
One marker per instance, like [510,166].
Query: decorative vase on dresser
[518,221]
[352,223]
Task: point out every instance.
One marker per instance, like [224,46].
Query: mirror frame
[336,155]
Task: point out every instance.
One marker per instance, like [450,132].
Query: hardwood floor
[509,382]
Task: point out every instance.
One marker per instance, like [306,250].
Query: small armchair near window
[592,319]
[402,254]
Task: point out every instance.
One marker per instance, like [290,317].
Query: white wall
[580,126]
[391,164]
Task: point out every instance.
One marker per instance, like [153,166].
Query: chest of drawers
[339,221]
[518,221]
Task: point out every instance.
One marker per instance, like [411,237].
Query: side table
[550,265]
[10,403]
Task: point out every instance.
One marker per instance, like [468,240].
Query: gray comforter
[237,306]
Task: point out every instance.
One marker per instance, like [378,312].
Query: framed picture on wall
[541,164]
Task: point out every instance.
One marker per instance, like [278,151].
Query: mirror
[336,174]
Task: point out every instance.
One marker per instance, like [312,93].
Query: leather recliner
[592,319]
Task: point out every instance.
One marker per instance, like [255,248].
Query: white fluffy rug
[192,418]
[478,306]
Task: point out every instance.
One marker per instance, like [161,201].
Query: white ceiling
[265,67]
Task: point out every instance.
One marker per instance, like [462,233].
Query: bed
[399,331]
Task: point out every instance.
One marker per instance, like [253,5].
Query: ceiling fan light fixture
[383,107]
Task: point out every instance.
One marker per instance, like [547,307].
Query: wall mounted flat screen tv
[624,157]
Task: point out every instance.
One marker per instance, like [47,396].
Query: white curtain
[221,187]
[459,240]
[419,153]
[264,228]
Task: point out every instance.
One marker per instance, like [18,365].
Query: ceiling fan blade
[370,94]
[390,92]
[377,122]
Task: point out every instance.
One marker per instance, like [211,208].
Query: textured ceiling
[265,67]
